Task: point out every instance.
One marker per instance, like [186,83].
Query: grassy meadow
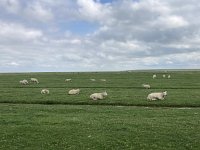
[124,120]
[123,88]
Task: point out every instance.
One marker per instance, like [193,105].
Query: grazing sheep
[74,91]
[67,80]
[92,79]
[103,80]
[24,82]
[147,86]
[96,96]
[169,76]
[157,96]
[164,75]
[154,76]
[44,91]
[34,80]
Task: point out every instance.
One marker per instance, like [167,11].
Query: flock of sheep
[24,82]
[94,96]
[164,76]
[102,95]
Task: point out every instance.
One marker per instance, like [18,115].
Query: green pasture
[123,88]
[59,127]
[117,96]
[124,120]
[179,79]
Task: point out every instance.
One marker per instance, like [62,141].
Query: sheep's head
[165,93]
[104,93]
[78,90]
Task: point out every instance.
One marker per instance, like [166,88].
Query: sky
[99,35]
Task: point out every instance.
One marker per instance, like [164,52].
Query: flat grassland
[76,122]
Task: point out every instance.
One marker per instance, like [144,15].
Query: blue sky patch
[80,27]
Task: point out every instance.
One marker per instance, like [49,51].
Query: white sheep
[44,91]
[157,96]
[74,91]
[24,82]
[34,80]
[103,80]
[67,80]
[92,79]
[147,86]
[154,76]
[164,75]
[96,96]
[169,76]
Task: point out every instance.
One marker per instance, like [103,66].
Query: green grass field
[124,120]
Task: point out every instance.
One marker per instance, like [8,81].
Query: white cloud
[128,34]
[12,31]
[172,21]
[12,6]
[179,46]
[13,64]
[92,10]
[153,6]
[36,11]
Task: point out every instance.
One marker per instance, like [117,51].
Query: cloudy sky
[99,35]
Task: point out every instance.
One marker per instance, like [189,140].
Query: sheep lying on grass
[164,75]
[154,76]
[34,80]
[147,86]
[44,91]
[74,91]
[157,96]
[67,80]
[168,76]
[92,79]
[103,80]
[96,96]
[24,82]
